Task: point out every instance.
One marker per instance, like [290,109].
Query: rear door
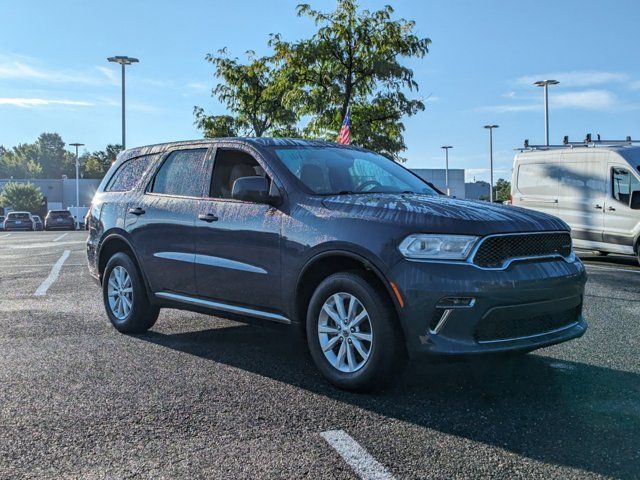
[620,221]
[238,242]
[162,221]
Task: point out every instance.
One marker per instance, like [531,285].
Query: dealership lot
[203,397]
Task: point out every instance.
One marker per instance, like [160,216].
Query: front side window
[623,183]
[334,170]
[229,166]
[180,174]
[128,174]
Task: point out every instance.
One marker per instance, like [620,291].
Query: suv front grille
[491,329]
[494,251]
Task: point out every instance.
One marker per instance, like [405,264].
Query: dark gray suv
[365,256]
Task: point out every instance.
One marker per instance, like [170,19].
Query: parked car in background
[343,243]
[37,223]
[59,220]
[2,217]
[594,187]
[19,221]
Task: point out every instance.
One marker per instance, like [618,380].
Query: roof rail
[587,142]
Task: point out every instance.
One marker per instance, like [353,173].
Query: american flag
[345,131]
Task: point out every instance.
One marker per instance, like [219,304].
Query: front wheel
[125,297]
[353,334]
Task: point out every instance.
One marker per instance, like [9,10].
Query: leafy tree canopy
[252,93]
[502,190]
[21,196]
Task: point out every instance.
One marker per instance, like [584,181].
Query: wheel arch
[114,242]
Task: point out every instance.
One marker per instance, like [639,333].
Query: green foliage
[353,60]
[21,196]
[252,93]
[502,190]
[96,164]
[47,158]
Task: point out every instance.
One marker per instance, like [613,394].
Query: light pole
[123,61]
[77,145]
[545,84]
[491,127]
[446,170]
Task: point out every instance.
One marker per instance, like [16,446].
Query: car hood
[441,214]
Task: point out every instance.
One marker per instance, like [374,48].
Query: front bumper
[529,305]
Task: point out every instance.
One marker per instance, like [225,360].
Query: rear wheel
[125,298]
[353,334]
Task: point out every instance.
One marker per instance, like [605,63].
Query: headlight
[439,247]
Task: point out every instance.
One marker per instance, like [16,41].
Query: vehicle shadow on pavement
[564,413]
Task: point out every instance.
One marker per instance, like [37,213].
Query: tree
[21,196]
[352,61]
[252,93]
[502,190]
[55,160]
[96,164]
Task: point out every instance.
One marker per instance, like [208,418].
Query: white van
[594,187]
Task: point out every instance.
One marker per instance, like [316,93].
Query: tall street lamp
[446,170]
[77,145]
[491,127]
[123,61]
[545,84]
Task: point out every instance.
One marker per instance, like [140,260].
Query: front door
[162,221]
[620,221]
[238,243]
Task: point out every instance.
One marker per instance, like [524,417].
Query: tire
[386,355]
[140,316]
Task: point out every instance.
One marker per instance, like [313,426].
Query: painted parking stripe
[611,269]
[53,275]
[60,237]
[5,235]
[363,464]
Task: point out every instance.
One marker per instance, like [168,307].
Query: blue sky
[485,54]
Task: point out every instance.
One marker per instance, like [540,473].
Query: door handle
[598,207]
[611,209]
[208,217]
[136,211]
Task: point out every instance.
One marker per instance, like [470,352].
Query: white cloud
[586,100]
[505,108]
[41,102]
[577,78]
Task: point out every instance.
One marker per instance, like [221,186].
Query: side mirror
[634,202]
[251,189]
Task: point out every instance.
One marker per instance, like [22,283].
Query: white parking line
[5,235]
[60,237]
[363,464]
[53,275]
[612,269]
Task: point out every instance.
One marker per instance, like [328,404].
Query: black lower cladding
[494,251]
[494,327]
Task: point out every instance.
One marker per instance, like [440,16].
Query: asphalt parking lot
[200,397]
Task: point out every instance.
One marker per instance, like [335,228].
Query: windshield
[334,170]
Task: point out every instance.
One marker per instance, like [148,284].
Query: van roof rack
[587,142]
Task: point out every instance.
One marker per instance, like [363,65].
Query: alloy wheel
[120,292]
[345,332]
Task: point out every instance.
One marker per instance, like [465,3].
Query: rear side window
[128,174]
[180,174]
[537,179]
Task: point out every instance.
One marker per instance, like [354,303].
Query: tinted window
[228,167]
[622,184]
[180,174]
[60,214]
[18,216]
[334,170]
[537,179]
[128,174]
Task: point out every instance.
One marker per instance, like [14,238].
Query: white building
[437,177]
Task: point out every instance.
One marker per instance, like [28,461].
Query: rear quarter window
[128,174]
[537,179]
